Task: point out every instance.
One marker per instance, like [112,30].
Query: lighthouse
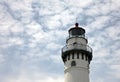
[76,55]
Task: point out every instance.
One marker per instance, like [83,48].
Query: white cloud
[24,79]
[23,4]
[16,41]
[53,22]
[2,60]
[99,23]
[16,28]
[34,76]
[116,72]
[48,7]
[39,29]
[53,46]
[115,4]
[78,3]
[113,33]
[67,17]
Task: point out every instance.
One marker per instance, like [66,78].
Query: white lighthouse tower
[76,56]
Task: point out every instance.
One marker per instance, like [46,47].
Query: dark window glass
[77,55]
[68,57]
[73,63]
[82,56]
[86,57]
[65,59]
[72,55]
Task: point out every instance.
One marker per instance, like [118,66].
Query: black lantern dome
[76,31]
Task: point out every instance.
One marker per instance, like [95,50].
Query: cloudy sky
[32,33]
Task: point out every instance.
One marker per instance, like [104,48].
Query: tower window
[77,55]
[86,57]
[73,63]
[72,55]
[68,57]
[65,59]
[82,56]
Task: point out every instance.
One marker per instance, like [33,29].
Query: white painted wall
[76,39]
[80,72]
[79,62]
[77,74]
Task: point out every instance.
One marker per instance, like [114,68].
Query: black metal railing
[77,46]
[74,36]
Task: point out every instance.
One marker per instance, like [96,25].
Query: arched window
[86,57]
[77,55]
[82,56]
[72,55]
[73,63]
[68,57]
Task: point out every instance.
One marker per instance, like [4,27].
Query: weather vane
[76,24]
[76,19]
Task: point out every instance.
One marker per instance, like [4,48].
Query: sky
[33,32]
